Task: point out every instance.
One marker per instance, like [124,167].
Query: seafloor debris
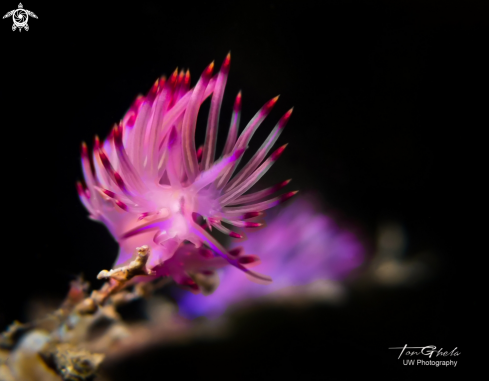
[9,338]
[72,363]
[59,345]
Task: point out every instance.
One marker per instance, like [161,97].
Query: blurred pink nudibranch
[301,248]
[150,186]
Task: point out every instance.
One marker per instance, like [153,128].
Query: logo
[20,17]
[428,350]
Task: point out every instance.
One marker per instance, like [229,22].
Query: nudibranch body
[150,186]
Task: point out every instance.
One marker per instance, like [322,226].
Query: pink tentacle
[114,176]
[139,134]
[101,174]
[178,87]
[174,145]
[245,137]
[127,169]
[243,224]
[227,231]
[88,175]
[84,198]
[124,203]
[160,223]
[259,195]
[233,128]
[176,111]
[207,177]
[255,161]
[213,120]
[232,211]
[189,123]
[160,108]
[252,179]
[219,250]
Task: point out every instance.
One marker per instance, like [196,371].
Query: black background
[386,98]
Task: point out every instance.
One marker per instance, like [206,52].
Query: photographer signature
[427,350]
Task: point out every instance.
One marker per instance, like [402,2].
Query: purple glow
[297,247]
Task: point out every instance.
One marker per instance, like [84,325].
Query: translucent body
[150,185]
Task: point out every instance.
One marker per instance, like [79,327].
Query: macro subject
[149,185]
